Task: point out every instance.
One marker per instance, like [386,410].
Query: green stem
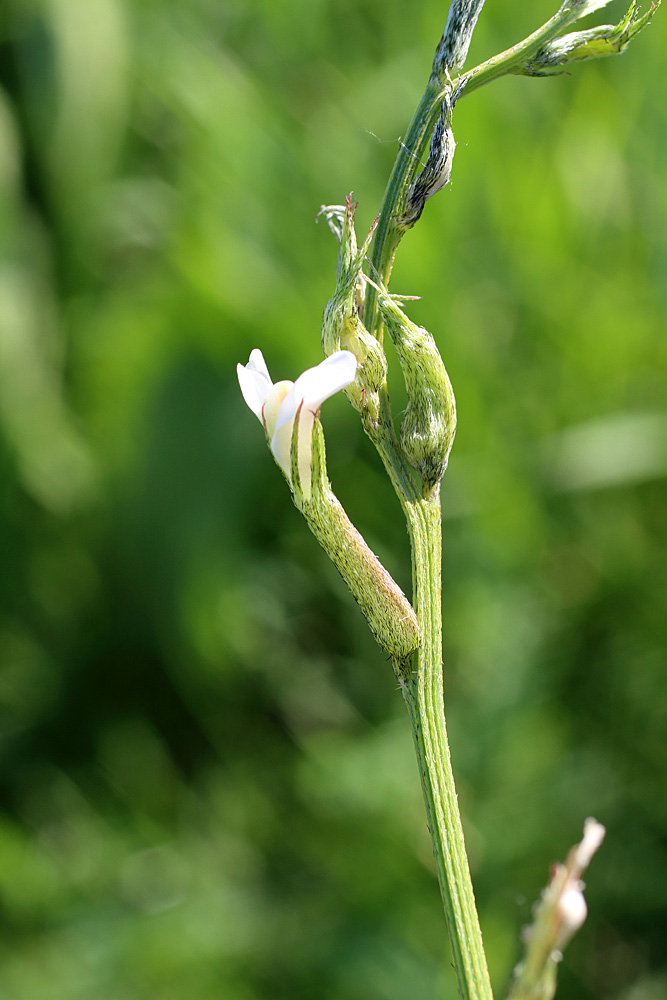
[420,673]
[410,158]
[512,59]
[423,686]
[423,693]
[408,163]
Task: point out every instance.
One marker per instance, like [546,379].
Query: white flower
[276,406]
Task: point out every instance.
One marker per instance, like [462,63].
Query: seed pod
[429,424]
[437,171]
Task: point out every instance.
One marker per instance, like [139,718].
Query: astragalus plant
[358,316]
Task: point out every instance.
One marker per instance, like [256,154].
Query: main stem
[423,688]
[422,680]
[423,693]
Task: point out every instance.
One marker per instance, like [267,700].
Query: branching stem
[422,685]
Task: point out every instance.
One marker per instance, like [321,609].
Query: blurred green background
[207,775]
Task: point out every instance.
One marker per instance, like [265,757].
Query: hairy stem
[413,149]
[422,685]
[423,693]
[518,55]
[408,163]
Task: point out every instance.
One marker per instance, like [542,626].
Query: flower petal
[281,446]
[255,382]
[317,384]
[276,405]
[309,392]
[271,407]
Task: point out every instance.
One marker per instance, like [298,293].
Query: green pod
[429,423]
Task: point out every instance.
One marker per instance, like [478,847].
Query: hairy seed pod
[429,423]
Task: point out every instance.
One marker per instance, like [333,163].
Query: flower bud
[429,424]
[438,169]
[570,913]
[603,40]
[558,915]
[342,328]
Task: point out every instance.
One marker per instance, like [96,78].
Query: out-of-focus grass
[206,771]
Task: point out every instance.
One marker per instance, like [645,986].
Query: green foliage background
[207,775]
